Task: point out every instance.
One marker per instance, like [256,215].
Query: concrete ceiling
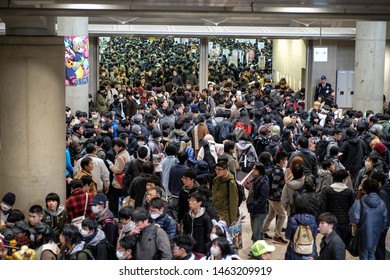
[253,13]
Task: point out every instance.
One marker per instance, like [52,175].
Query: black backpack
[321,149]
[260,142]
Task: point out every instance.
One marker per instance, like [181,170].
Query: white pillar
[32,124]
[369,65]
[203,63]
[76,96]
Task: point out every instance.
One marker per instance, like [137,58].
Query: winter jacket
[332,247]
[199,227]
[107,223]
[260,196]
[168,224]
[153,244]
[175,183]
[310,163]
[373,220]
[119,168]
[138,187]
[56,220]
[292,225]
[287,198]
[182,205]
[338,199]
[276,189]
[353,151]
[98,245]
[166,164]
[384,194]
[225,200]
[324,180]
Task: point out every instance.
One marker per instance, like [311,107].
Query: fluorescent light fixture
[297,10]
[84,6]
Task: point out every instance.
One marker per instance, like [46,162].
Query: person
[44,242]
[99,172]
[175,182]
[182,247]
[274,198]
[72,246]
[225,193]
[190,185]
[104,217]
[258,186]
[95,240]
[86,165]
[325,177]
[197,223]
[308,156]
[260,250]
[167,163]
[3,249]
[323,89]
[353,148]
[338,199]
[369,213]
[54,214]
[118,170]
[301,217]
[77,204]
[126,248]
[290,188]
[221,250]
[332,246]
[152,241]
[7,202]
[124,216]
[35,215]
[161,218]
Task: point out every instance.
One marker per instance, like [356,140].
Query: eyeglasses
[219,169]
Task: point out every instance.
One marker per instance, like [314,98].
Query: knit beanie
[380,148]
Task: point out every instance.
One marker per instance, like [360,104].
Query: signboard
[320,54]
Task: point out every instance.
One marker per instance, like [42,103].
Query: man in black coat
[332,247]
[323,89]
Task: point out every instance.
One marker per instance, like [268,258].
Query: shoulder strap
[86,203]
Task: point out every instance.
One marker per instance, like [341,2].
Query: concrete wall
[341,56]
[289,57]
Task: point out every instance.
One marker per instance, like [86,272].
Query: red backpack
[246,128]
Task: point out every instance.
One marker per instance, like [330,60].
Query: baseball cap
[260,247]
[136,129]
[99,198]
[323,77]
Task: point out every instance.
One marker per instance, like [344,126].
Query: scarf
[252,182]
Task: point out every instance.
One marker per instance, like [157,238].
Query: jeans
[380,252]
[367,253]
[257,221]
[275,208]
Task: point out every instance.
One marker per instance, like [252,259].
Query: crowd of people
[159,169]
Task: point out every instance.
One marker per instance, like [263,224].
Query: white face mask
[155,215]
[5,207]
[95,209]
[215,251]
[367,165]
[213,236]
[95,116]
[159,139]
[188,87]
[141,143]
[128,227]
[120,255]
[84,232]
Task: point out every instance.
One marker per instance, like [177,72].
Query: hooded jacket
[324,180]
[225,199]
[310,164]
[372,221]
[287,198]
[292,225]
[338,199]
[199,227]
[353,151]
[56,220]
[98,245]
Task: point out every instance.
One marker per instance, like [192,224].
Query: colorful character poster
[250,55]
[76,60]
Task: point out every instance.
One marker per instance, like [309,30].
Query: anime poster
[262,62]
[236,234]
[76,60]
[250,55]
[233,58]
